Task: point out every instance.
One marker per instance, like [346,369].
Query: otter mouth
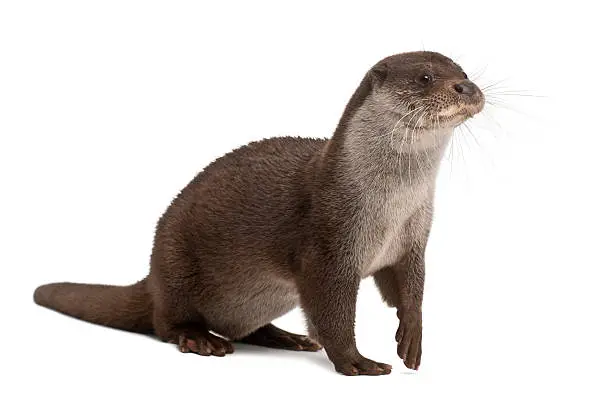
[461,109]
[457,114]
[448,117]
[464,113]
[454,116]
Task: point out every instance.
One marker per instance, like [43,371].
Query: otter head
[424,91]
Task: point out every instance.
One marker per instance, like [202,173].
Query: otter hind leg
[180,324]
[273,337]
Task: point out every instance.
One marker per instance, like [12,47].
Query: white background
[107,109]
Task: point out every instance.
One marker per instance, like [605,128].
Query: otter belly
[260,302]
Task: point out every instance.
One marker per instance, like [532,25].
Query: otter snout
[469,96]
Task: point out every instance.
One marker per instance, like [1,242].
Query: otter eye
[425,79]
[465,76]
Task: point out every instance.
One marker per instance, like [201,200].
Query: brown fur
[291,221]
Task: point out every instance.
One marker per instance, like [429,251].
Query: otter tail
[126,308]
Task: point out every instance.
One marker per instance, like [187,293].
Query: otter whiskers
[424,109]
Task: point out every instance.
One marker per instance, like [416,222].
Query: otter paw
[204,344]
[297,342]
[408,337]
[363,366]
[273,337]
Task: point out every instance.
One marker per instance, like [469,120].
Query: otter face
[427,90]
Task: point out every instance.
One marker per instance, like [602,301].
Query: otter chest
[382,236]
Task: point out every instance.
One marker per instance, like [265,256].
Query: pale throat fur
[393,171]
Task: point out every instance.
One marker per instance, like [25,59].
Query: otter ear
[378,74]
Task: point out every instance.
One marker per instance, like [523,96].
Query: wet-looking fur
[292,221]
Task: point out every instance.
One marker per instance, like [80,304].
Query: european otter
[293,221]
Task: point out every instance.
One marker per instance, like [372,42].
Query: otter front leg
[410,276]
[401,286]
[328,299]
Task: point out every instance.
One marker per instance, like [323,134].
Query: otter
[290,221]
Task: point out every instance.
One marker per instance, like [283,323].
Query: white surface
[108,110]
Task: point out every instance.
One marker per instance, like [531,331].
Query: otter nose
[465,88]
